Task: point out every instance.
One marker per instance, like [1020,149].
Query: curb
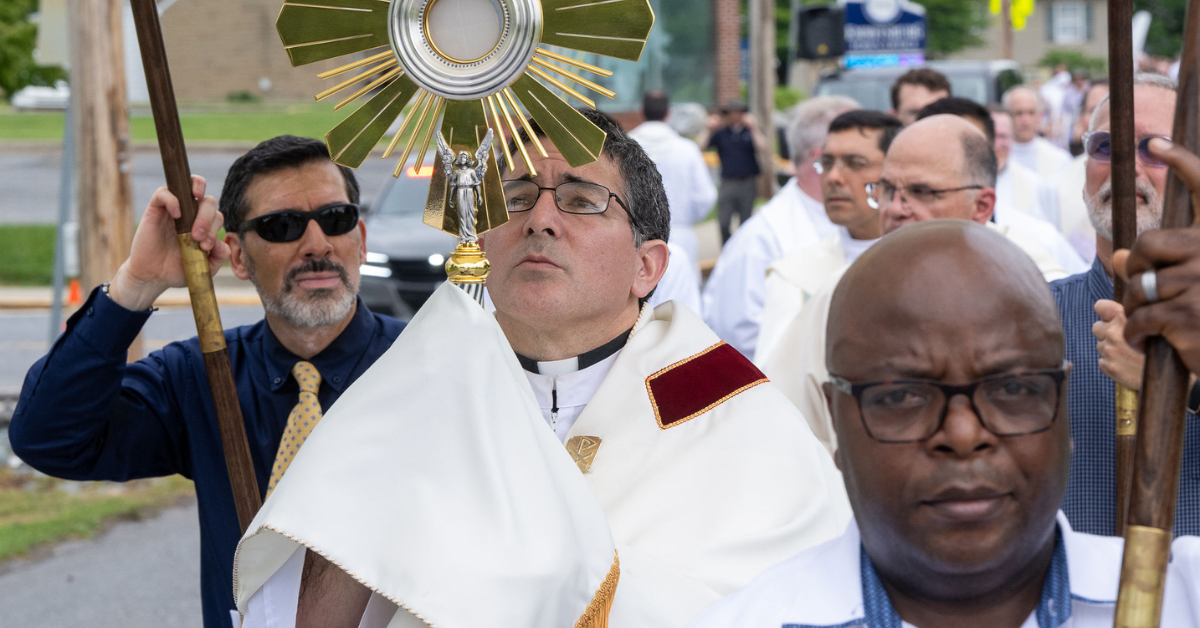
[167,302]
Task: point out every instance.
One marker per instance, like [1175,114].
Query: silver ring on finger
[1150,285]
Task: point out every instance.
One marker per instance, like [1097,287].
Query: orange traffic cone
[74,293]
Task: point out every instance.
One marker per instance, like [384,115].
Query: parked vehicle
[40,97]
[981,81]
[406,258]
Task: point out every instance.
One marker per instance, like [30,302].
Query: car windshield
[405,194]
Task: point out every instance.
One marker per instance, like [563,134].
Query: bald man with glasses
[940,167]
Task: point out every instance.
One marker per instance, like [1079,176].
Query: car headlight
[437,259]
[377,258]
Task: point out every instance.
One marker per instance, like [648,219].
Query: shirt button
[337,378]
[91,311]
[277,380]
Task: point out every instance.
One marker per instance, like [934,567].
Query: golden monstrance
[477,66]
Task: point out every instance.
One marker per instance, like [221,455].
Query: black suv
[406,258]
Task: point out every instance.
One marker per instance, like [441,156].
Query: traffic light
[822,32]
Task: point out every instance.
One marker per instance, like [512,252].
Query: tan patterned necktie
[301,420]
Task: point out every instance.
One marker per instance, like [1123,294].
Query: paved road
[26,338]
[29,180]
[143,574]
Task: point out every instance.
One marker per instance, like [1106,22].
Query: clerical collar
[577,363]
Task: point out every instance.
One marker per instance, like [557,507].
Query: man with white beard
[1088,313]
[293,230]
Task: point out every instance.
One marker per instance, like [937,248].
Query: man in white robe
[793,220]
[921,159]
[704,472]
[955,472]
[690,189]
[1030,149]
[851,158]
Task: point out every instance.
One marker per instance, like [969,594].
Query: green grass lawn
[27,255]
[36,512]
[248,123]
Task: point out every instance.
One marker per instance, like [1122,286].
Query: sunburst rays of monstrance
[473,65]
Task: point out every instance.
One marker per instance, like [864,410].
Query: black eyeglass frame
[937,193]
[632,220]
[949,391]
[315,214]
[1143,148]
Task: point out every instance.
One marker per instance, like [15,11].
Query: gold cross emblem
[583,451]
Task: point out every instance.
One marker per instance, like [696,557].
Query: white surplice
[439,485]
[734,295]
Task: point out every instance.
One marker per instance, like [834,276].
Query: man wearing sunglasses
[939,167]
[954,442]
[293,230]
[1094,324]
[705,473]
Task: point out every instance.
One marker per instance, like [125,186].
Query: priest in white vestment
[1030,149]
[791,221]
[956,503]
[920,160]
[577,458]
[685,175]
[851,158]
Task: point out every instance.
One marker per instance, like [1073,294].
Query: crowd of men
[892,405]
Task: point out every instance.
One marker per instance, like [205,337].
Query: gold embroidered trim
[328,558]
[654,402]
[596,614]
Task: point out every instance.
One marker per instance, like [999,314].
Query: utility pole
[762,86]
[1006,44]
[102,150]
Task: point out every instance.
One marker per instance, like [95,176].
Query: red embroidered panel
[691,387]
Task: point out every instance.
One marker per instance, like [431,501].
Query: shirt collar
[335,363]
[1098,281]
[577,363]
[1053,609]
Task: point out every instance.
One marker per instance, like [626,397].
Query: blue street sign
[884,26]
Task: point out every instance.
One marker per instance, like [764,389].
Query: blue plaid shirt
[1090,503]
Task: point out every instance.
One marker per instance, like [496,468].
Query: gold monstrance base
[467,265]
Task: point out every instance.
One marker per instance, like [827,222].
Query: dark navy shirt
[736,150]
[84,414]
[1090,503]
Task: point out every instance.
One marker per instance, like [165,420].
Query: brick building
[218,47]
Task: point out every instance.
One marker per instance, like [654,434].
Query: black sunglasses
[288,225]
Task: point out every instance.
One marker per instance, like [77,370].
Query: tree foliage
[17,38]
[954,24]
[1166,28]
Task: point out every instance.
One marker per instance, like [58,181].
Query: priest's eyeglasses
[883,192]
[1098,146]
[912,410]
[573,197]
[853,163]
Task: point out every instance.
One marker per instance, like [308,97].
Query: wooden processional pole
[1162,408]
[1124,218]
[246,497]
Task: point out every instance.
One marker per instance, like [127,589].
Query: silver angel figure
[465,175]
